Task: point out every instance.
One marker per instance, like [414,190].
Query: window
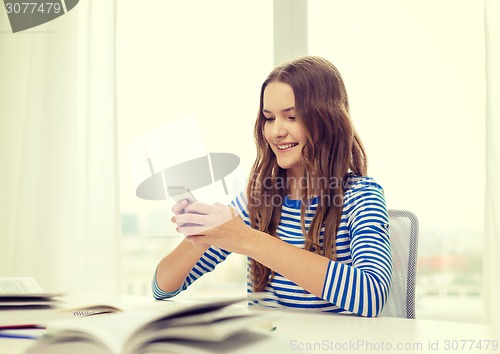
[414,71]
[177,59]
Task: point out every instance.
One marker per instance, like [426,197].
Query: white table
[298,332]
[324,333]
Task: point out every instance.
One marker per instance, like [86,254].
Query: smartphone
[179,193]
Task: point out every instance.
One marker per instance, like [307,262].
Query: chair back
[403,230]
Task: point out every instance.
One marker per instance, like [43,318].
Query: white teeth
[286,146]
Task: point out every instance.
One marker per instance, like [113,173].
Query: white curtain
[58,168]
[492,195]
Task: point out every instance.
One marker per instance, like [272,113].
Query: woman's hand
[179,209]
[216,224]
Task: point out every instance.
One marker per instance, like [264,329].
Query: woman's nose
[279,129]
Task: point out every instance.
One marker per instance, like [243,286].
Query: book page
[110,331]
[16,292]
[249,342]
[19,286]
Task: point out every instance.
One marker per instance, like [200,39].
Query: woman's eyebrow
[282,111]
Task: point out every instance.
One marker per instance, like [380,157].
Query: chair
[403,230]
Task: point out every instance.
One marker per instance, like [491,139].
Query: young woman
[314,227]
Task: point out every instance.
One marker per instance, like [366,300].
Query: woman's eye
[268,119]
[291,118]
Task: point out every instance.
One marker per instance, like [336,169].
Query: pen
[17,336]
[22,326]
[24,331]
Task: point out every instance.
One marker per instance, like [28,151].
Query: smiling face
[285,135]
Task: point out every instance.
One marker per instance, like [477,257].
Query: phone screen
[179,193]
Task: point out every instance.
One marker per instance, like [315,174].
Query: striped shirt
[357,282]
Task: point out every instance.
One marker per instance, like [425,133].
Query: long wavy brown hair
[332,151]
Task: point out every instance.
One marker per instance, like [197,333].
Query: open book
[142,331]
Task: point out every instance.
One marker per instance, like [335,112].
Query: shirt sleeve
[362,287]
[207,262]
[240,203]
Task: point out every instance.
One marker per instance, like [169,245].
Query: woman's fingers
[179,207]
[197,218]
[189,218]
[199,208]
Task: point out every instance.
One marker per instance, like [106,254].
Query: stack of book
[24,292]
[24,306]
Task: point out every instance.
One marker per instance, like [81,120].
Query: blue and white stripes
[357,282]
[206,264]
